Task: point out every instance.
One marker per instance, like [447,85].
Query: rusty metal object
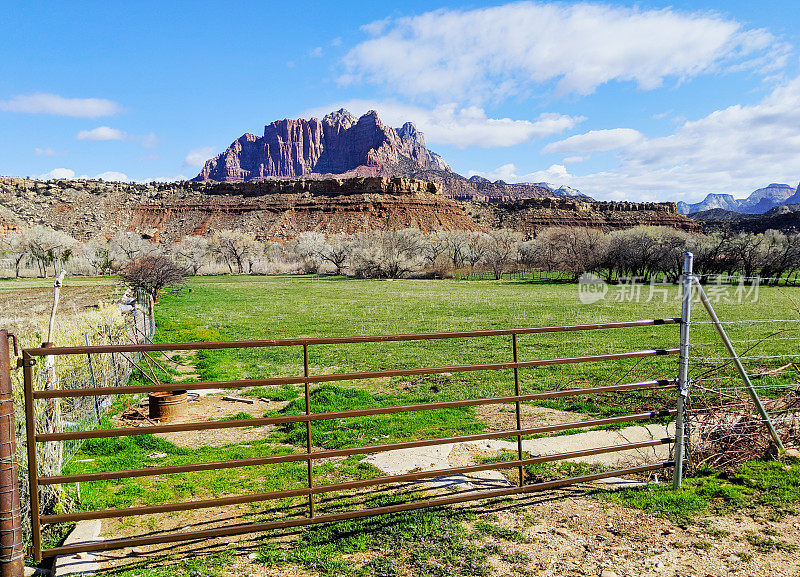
[165,407]
[11,554]
[217,465]
[260,422]
[344,340]
[301,522]
[344,486]
[90,392]
[173,397]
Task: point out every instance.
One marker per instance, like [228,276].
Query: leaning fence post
[683,368]
[739,367]
[11,554]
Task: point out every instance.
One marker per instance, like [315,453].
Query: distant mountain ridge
[759,201]
[343,146]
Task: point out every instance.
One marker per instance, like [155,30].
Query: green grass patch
[357,431]
[771,484]
[282,393]
[426,542]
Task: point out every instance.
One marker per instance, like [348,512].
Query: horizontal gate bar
[204,426]
[94,391]
[304,521]
[294,457]
[41,352]
[320,489]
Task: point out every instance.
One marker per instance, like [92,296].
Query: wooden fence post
[11,554]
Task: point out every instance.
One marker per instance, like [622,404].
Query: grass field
[232,308]
[245,307]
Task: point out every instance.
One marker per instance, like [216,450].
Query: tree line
[642,252]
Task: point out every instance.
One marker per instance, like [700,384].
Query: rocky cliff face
[282,209]
[532,216]
[334,145]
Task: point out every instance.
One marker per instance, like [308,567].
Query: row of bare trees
[642,252]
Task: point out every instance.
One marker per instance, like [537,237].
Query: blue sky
[644,101]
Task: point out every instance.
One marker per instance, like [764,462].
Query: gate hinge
[21,363]
[684,389]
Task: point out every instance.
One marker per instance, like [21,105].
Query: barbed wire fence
[80,413]
[725,426]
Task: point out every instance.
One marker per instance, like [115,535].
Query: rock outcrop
[341,145]
[282,209]
[337,144]
[532,216]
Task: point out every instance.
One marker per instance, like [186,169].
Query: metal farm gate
[312,490]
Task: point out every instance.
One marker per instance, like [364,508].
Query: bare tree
[501,251]
[49,247]
[152,273]
[307,247]
[235,248]
[15,247]
[128,245]
[475,247]
[387,253]
[192,252]
[336,250]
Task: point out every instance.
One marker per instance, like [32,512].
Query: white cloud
[58,173]
[101,133]
[507,172]
[575,159]
[316,52]
[113,176]
[47,151]
[493,52]
[175,178]
[596,141]
[734,150]
[198,156]
[460,127]
[41,103]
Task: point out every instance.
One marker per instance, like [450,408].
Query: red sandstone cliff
[334,145]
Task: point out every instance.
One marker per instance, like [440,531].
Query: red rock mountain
[337,144]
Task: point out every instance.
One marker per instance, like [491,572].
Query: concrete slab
[406,460]
[568,443]
[80,563]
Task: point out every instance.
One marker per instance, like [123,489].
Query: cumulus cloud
[42,103]
[734,150]
[473,55]
[596,141]
[101,133]
[57,173]
[461,127]
[198,156]
[113,176]
[164,179]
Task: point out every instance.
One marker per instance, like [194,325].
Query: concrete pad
[403,461]
[580,441]
[80,563]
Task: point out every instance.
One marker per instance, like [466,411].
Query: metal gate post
[683,367]
[11,554]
